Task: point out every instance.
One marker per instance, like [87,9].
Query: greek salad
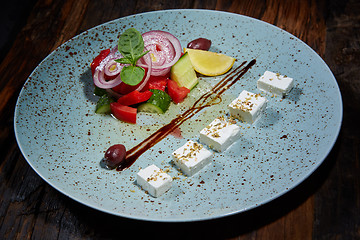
[143,73]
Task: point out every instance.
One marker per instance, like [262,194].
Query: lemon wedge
[210,63]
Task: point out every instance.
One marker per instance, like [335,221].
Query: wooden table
[325,206]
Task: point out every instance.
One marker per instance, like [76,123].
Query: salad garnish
[147,72]
[124,90]
[131,47]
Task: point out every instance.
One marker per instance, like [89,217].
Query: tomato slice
[158,82]
[176,93]
[134,97]
[97,60]
[123,113]
[124,88]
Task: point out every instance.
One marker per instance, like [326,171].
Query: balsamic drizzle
[208,99]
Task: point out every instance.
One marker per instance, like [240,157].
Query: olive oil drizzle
[208,99]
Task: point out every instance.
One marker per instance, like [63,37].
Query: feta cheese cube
[275,83]
[220,134]
[247,106]
[153,180]
[191,157]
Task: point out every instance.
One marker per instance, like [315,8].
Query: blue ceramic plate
[64,140]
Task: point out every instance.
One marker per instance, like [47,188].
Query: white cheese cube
[191,157]
[220,134]
[275,83]
[247,107]
[153,180]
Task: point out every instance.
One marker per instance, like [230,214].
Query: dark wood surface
[325,206]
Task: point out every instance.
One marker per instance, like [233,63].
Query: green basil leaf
[140,56]
[123,61]
[131,44]
[132,75]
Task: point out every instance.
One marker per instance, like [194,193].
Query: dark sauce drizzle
[208,99]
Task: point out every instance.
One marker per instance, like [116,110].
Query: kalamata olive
[114,156]
[200,43]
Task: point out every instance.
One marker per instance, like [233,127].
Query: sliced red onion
[100,81]
[148,65]
[109,68]
[165,51]
[99,74]
[112,68]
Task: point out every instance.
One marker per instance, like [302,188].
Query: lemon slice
[210,63]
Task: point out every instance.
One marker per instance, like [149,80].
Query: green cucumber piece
[99,91]
[160,98]
[103,104]
[183,72]
[150,108]
[160,101]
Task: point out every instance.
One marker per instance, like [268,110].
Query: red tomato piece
[134,97]
[124,88]
[157,82]
[123,113]
[176,93]
[97,60]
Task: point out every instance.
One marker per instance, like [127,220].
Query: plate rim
[191,219]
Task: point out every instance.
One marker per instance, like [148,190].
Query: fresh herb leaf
[131,45]
[123,61]
[141,55]
[132,75]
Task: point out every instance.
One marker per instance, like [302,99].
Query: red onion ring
[112,68]
[99,74]
[165,48]
[105,69]
[148,64]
